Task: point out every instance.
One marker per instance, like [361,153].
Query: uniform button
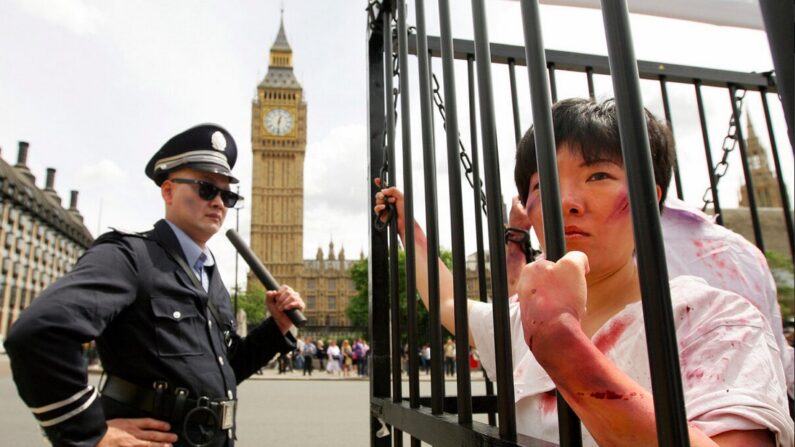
[229,394]
[176,314]
[210,323]
[220,360]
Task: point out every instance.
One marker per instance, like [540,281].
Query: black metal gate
[441,420]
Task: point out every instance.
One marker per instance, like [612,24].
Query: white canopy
[738,13]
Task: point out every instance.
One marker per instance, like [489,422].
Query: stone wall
[774,231]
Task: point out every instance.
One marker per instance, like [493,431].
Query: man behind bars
[161,316]
[596,355]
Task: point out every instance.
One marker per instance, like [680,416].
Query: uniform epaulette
[116,234]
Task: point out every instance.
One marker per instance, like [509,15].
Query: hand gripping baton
[262,273]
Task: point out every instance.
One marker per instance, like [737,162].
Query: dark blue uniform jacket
[151,323]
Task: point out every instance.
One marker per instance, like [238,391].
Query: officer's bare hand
[280,301]
[137,433]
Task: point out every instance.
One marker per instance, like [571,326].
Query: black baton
[262,273]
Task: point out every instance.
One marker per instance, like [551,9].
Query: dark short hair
[592,128]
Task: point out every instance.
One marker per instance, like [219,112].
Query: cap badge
[218,141]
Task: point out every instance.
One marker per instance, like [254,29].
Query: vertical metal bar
[553,86]
[499,286]
[408,203]
[777,16]
[431,213]
[669,405]
[749,181]
[393,252]
[517,124]
[394,259]
[589,77]
[782,187]
[408,199]
[464,390]
[546,154]
[713,182]
[378,260]
[669,120]
[481,252]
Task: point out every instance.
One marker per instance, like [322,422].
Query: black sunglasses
[208,191]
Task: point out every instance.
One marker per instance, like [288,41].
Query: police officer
[161,317]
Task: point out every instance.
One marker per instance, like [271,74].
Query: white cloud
[75,15]
[104,172]
[333,166]
[335,191]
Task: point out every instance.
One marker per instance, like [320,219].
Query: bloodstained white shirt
[731,372]
[696,246]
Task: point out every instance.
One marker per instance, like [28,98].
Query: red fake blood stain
[607,339]
[549,402]
[699,248]
[685,313]
[621,207]
[695,374]
[607,394]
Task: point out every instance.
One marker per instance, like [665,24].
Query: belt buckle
[227,414]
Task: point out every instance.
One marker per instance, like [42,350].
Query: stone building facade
[327,288]
[40,239]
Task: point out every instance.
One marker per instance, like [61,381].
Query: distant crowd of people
[329,356]
[449,364]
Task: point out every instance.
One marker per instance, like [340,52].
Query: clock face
[279,122]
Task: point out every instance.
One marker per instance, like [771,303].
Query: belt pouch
[181,396]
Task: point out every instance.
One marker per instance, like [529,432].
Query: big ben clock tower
[278,142]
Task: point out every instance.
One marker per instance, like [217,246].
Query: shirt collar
[674,207]
[190,248]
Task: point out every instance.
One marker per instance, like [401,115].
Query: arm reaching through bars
[394,196]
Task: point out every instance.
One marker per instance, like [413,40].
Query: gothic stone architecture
[278,142]
[327,288]
[768,201]
[40,240]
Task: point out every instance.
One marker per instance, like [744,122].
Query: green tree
[358,307]
[782,269]
[252,301]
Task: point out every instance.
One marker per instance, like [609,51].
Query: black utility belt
[198,420]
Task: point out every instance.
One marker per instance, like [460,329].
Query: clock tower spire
[278,142]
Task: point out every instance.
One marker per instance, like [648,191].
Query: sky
[96,87]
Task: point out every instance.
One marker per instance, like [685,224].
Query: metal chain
[729,144]
[465,161]
[372,14]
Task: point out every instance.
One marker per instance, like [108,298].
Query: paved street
[286,410]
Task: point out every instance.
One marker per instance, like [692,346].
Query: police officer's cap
[206,147]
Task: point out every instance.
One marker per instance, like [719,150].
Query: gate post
[378,278]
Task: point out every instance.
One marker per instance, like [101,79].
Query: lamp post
[237,255]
